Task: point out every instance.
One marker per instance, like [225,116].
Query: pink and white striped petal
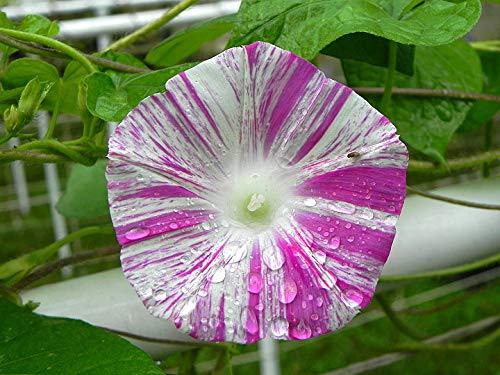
[255,197]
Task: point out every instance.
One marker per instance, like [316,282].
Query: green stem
[459,202]
[49,52]
[451,271]
[396,320]
[452,346]
[15,270]
[53,145]
[223,362]
[57,45]
[488,136]
[454,164]
[389,79]
[487,45]
[151,27]
[53,117]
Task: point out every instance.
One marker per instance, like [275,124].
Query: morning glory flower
[255,197]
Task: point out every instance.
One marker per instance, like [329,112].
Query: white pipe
[50,8]
[425,241]
[122,23]
[269,357]
[54,192]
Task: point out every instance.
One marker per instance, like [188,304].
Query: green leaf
[427,124]
[86,194]
[482,112]
[111,100]
[36,344]
[72,79]
[371,49]
[305,27]
[123,58]
[21,71]
[32,23]
[185,42]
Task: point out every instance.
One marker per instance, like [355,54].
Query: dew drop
[309,202]
[348,225]
[218,276]
[259,307]
[273,257]
[350,239]
[315,317]
[391,220]
[205,225]
[319,301]
[320,256]
[301,331]
[234,252]
[188,307]
[365,213]
[137,233]
[334,242]
[287,291]
[254,282]
[159,295]
[202,293]
[251,324]
[173,226]
[353,298]
[279,327]
[342,207]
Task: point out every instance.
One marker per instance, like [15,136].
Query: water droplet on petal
[314,317]
[218,276]
[188,307]
[365,213]
[254,282]
[251,324]
[353,298]
[301,331]
[334,242]
[259,307]
[202,293]
[319,301]
[342,207]
[279,327]
[159,295]
[173,225]
[205,225]
[137,233]
[350,239]
[348,225]
[391,220]
[234,252]
[273,257]
[309,202]
[287,291]
[320,256]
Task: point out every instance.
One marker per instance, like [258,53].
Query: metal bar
[54,192]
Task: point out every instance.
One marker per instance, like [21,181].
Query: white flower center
[253,196]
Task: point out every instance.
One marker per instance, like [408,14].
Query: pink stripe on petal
[380,189]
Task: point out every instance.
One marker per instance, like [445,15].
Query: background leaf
[185,42]
[32,23]
[111,100]
[35,344]
[482,112]
[86,194]
[305,27]
[19,72]
[427,124]
[371,49]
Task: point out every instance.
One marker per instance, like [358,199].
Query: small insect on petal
[353,154]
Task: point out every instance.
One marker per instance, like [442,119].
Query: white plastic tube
[431,235]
